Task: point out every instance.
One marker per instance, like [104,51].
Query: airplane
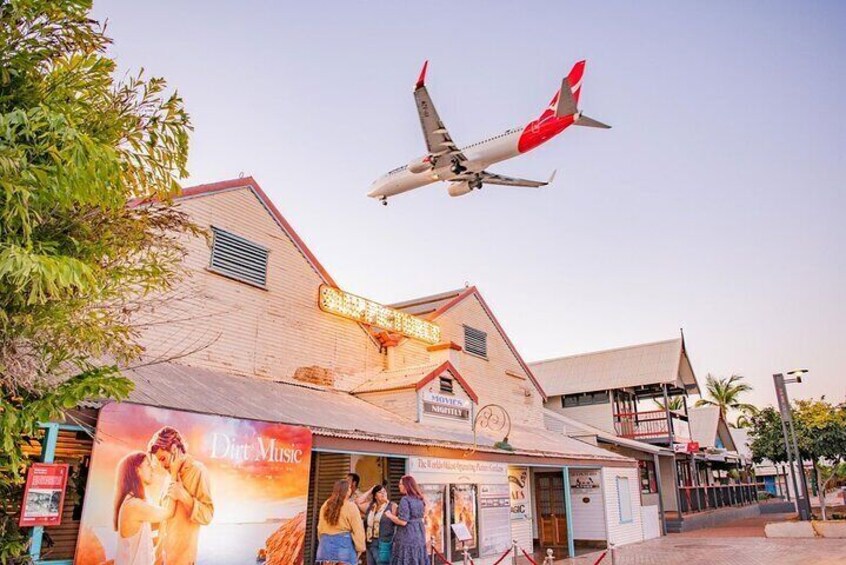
[465,168]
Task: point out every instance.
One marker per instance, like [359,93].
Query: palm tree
[725,393]
[676,404]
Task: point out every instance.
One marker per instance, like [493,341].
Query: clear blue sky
[715,204]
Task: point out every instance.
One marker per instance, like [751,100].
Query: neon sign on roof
[362,310]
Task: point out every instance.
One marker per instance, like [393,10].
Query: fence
[700,498]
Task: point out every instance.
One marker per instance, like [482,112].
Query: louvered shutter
[238,258]
[326,468]
[396,469]
[475,341]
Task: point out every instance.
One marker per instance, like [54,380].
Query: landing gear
[456,167]
[475,184]
[384,200]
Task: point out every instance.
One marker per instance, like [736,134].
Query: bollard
[613,551]
[550,557]
[515,550]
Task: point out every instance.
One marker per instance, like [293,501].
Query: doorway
[551,510]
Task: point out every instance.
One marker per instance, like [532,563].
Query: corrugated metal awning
[329,413]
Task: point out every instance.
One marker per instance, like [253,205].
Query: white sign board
[495,519]
[446,471]
[584,481]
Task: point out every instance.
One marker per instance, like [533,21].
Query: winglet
[422,79]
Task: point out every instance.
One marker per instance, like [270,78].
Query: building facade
[261,333]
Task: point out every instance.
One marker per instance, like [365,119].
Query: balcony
[701,498]
[651,426]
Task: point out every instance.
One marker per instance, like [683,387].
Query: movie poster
[167,487]
[464,511]
[518,480]
[435,498]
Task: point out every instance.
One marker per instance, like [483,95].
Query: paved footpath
[735,543]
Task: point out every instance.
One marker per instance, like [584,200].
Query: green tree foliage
[676,404]
[820,434]
[725,393]
[76,145]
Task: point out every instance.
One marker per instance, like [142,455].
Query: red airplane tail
[565,103]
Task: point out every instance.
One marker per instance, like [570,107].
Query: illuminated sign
[445,406]
[336,301]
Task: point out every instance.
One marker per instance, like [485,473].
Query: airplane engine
[420,165]
[459,188]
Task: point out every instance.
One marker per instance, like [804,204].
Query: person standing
[361,499]
[340,531]
[379,529]
[189,491]
[409,547]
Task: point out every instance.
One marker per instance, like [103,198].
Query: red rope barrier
[504,555]
[529,557]
[601,557]
[443,559]
[440,556]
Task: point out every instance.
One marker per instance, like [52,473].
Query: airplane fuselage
[480,155]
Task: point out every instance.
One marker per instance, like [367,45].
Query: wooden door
[551,509]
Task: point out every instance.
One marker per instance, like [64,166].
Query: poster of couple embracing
[167,487]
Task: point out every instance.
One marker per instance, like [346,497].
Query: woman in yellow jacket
[340,530]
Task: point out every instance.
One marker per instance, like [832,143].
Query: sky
[714,204]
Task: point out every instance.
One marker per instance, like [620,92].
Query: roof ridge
[425,299]
[599,351]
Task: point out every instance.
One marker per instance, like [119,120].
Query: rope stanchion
[529,557]
[440,556]
[601,557]
[503,556]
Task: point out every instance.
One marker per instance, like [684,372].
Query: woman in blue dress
[409,547]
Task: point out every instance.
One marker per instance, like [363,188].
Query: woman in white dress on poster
[134,515]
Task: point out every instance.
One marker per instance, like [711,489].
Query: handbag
[384,555]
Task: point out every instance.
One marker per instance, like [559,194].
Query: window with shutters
[475,342]
[238,258]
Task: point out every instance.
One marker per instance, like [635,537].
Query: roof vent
[475,341]
[238,258]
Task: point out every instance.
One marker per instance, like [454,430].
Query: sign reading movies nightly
[217,490]
[445,406]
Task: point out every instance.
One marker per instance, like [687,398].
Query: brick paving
[736,543]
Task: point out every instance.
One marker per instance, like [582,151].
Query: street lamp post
[803,501]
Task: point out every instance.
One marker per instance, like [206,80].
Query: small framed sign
[462,533]
[44,495]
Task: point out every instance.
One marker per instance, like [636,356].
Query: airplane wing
[439,143]
[502,180]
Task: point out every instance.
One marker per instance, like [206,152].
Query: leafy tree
[725,393]
[820,434]
[76,262]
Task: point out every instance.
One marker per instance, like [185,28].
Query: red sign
[44,495]
[692,446]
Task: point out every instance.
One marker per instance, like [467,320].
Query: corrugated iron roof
[405,377]
[624,367]
[327,412]
[427,304]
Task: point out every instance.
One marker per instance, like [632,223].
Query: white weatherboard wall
[586,503]
[621,533]
[596,415]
